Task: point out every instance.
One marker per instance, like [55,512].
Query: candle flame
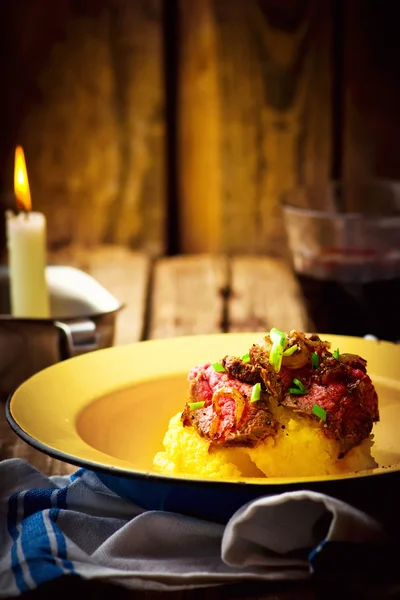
[21,183]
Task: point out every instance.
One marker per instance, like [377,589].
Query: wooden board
[187,296]
[85,98]
[206,294]
[137,217]
[264,294]
[198,151]
[371,90]
[254,117]
[126,275]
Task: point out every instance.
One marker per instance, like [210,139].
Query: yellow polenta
[299,449]
[187,452]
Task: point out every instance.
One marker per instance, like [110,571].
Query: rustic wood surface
[85,98]
[262,96]
[264,294]
[371,90]
[186,295]
[137,217]
[198,116]
[126,275]
[208,294]
[254,117]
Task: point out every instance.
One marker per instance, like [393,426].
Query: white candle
[26,243]
[26,240]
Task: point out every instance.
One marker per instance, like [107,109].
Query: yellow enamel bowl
[108,411]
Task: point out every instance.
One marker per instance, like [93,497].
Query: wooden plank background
[371,94]
[254,117]
[83,93]
[262,95]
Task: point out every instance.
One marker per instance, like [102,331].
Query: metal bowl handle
[77,337]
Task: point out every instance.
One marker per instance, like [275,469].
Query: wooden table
[179,296]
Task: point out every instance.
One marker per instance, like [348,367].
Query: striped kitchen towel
[52,526]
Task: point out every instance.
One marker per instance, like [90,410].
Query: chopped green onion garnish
[196,405]
[256,392]
[297,391]
[319,412]
[246,358]
[336,354]
[299,384]
[218,367]
[291,350]
[315,360]
[278,339]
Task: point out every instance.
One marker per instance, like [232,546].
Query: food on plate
[289,407]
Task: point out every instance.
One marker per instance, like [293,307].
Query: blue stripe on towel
[36,500]
[62,497]
[34,537]
[76,475]
[14,533]
[312,555]
[61,543]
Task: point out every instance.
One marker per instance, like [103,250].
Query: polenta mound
[188,453]
[296,451]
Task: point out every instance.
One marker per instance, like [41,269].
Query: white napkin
[50,526]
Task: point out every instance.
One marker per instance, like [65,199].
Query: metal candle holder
[83,318]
